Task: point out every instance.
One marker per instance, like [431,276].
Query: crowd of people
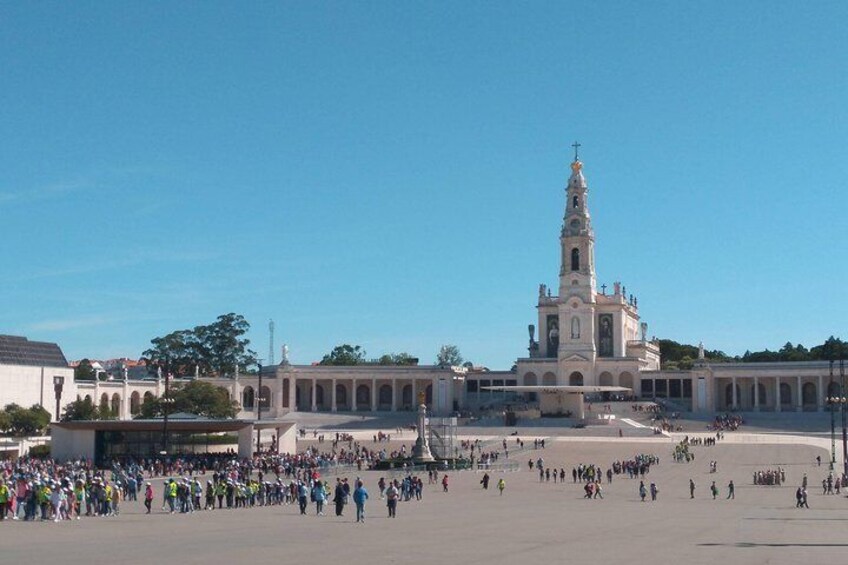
[770,477]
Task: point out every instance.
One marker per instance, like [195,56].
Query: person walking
[339,498]
[501,486]
[319,495]
[654,491]
[391,499]
[302,496]
[360,495]
[485,481]
[714,490]
[731,491]
[445,483]
[148,496]
[691,489]
[643,492]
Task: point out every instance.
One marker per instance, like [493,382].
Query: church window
[575,328]
[575,202]
[575,259]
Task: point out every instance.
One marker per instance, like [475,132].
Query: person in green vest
[4,499]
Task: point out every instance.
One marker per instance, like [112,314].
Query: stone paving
[531,522]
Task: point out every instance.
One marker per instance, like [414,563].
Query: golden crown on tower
[576,166]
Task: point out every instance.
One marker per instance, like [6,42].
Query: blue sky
[391,174]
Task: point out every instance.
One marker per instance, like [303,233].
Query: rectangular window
[674,388]
[687,388]
[497,382]
[471,386]
[661,388]
[485,383]
[647,387]
[511,382]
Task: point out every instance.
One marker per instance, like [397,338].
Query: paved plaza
[531,522]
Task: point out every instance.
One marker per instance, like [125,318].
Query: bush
[40,451]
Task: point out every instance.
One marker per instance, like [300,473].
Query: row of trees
[219,348]
[354,355]
[683,356]
[20,421]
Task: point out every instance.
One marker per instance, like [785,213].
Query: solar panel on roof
[16,350]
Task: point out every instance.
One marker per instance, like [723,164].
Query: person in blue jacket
[360,495]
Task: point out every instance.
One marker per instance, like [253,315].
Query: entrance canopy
[560,400]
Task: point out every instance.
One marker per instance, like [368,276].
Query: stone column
[394,395]
[756,395]
[820,395]
[414,392]
[777,394]
[292,393]
[799,396]
[353,395]
[333,406]
[373,395]
[279,394]
[312,399]
[735,399]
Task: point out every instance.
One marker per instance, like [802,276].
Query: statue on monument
[285,356]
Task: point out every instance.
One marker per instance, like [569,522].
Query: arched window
[247,397]
[575,202]
[265,395]
[575,259]
[135,403]
[575,327]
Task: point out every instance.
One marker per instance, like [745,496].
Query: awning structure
[572,389]
[560,400]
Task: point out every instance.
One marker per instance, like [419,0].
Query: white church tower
[577,283]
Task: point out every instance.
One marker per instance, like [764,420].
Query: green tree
[27,421]
[85,409]
[449,356]
[84,371]
[397,359]
[5,422]
[195,397]
[344,355]
[217,348]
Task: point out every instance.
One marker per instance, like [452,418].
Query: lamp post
[166,406]
[259,399]
[831,403]
[843,400]
[58,384]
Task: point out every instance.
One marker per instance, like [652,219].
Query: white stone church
[585,338]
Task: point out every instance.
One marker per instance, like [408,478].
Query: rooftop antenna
[271,350]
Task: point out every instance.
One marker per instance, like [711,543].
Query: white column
[394,395]
[820,395]
[334,407]
[756,395]
[735,399]
[777,394]
[414,392]
[278,404]
[353,395]
[292,394]
[373,395]
[799,399]
[312,399]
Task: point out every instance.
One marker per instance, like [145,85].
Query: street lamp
[166,401]
[831,402]
[58,384]
[259,400]
[843,408]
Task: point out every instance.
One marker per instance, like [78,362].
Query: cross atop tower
[576,146]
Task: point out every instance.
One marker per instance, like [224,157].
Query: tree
[26,421]
[449,356]
[397,359]
[5,422]
[344,355]
[216,348]
[85,409]
[84,371]
[195,397]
